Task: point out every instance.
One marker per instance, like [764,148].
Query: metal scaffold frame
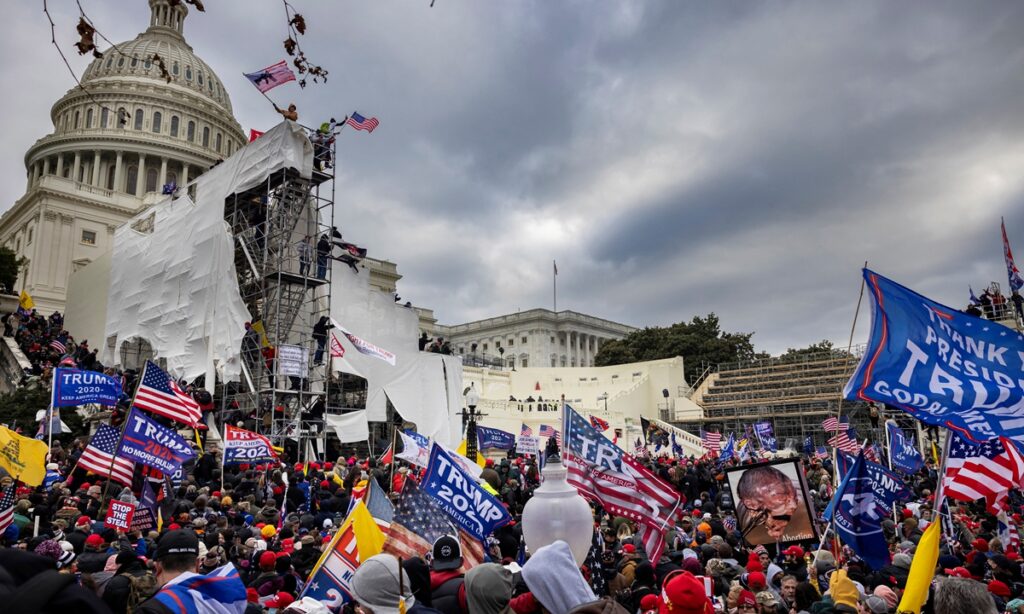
[284,391]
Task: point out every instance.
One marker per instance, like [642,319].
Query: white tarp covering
[349,427]
[176,286]
[420,385]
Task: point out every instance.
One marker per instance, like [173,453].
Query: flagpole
[554,289]
[849,348]
[120,436]
[888,448]
[49,413]
[394,435]
[223,457]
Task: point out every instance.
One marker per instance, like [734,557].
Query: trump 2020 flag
[764,433]
[904,455]
[242,446]
[494,438]
[863,498]
[941,366]
[358,539]
[154,445]
[78,387]
[461,497]
[415,448]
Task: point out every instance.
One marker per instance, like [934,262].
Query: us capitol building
[116,145]
[111,152]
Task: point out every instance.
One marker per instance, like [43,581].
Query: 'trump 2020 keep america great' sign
[941,366]
[461,497]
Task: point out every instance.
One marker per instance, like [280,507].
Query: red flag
[389,455]
[254,134]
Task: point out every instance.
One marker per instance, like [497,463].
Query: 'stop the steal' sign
[119,515]
[461,497]
[943,367]
[77,387]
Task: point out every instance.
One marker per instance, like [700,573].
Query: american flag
[833,424]
[618,482]
[161,395]
[359,122]
[550,431]
[60,344]
[526,431]
[711,440]
[97,456]
[986,471]
[271,76]
[472,550]
[599,424]
[7,508]
[820,453]
[841,441]
[416,524]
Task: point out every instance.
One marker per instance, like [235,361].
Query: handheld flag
[416,524]
[388,456]
[461,497]
[729,449]
[7,507]
[858,507]
[903,453]
[160,394]
[359,122]
[763,431]
[220,591]
[25,302]
[1016,281]
[943,367]
[922,570]
[97,456]
[365,347]
[271,76]
[711,440]
[358,539]
[152,444]
[602,472]
[24,458]
[415,448]
[987,471]
[77,387]
[242,446]
[599,424]
[497,439]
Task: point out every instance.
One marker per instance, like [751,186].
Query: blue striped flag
[219,592]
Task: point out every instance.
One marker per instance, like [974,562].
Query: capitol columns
[118,165]
[95,168]
[76,166]
[184,173]
[163,174]
[60,165]
[140,183]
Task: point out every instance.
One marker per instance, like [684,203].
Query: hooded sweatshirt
[555,581]
[489,589]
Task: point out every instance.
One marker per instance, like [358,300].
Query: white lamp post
[558,512]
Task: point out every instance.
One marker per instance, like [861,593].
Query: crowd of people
[273,522]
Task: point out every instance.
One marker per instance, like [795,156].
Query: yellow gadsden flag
[24,458]
[25,301]
[922,570]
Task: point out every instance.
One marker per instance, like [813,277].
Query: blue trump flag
[495,438]
[729,449]
[941,366]
[862,500]
[154,445]
[764,433]
[809,446]
[461,497]
[78,387]
[903,453]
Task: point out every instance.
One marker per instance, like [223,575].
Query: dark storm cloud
[675,158]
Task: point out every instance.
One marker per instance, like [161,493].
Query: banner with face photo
[772,502]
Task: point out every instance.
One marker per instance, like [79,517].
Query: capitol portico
[116,142]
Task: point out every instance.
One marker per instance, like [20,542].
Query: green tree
[10,266]
[701,340]
[815,349]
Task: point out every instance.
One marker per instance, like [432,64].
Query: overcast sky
[674,157]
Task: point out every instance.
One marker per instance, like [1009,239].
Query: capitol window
[188,73]
[200,77]
[138,119]
[191,132]
[104,116]
[135,61]
[88,118]
[88,237]
[174,125]
[174,69]
[120,62]
[148,63]
[151,180]
[206,136]
[157,120]
[218,142]
[76,120]
[133,179]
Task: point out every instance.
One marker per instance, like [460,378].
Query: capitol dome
[130,131]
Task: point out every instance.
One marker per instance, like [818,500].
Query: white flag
[412,451]
[351,426]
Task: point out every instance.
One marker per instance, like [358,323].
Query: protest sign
[119,515]
[527,444]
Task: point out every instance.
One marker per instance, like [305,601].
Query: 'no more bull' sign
[461,497]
